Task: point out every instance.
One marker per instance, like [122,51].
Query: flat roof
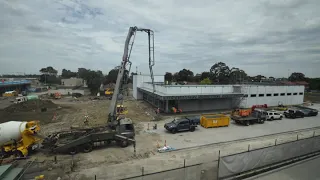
[163,96]
[243,84]
[11,83]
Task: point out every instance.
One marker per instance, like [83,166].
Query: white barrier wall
[190,89]
[255,94]
[139,80]
[272,95]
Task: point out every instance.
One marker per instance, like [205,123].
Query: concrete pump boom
[126,61]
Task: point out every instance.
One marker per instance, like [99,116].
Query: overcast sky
[268,37]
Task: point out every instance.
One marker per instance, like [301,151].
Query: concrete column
[167,103]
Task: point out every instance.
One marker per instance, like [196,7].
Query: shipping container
[214,120]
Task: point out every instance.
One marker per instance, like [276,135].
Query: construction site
[158,131]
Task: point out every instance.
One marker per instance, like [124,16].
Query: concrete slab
[206,155]
[204,136]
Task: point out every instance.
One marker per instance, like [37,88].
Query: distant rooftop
[10,83]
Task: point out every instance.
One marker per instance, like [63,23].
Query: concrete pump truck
[118,129]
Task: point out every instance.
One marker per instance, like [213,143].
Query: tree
[219,72]
[206,81]
[197,78]
[185,75]
[314,83]
[93,78]
[204,75]
[82,73]
[297,76]
[68,74]
[49,79]
[168,77]
[258,78]
[176,77]
[237,75]
[49,71]
[113,74]
[49,75]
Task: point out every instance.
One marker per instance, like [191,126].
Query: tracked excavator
[118,129]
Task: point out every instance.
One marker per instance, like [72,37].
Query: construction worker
[86,121]
[174,110]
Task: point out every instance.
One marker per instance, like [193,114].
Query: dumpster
[214,120]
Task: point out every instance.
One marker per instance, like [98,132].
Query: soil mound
[31,105]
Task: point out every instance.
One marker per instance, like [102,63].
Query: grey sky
[268,37]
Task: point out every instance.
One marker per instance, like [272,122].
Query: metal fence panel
[242,162]
[204,171]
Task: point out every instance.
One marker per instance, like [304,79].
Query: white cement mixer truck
[18,138]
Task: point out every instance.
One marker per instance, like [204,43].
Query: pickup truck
[194,119]
[293,113]
[178,125]
[257,116]
[308,111]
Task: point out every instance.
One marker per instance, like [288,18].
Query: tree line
[93,78]
[219,73]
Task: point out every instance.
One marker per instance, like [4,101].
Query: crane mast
[126,62]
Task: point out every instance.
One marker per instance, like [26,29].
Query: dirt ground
[66,112]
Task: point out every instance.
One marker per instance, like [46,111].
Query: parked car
[309,112]
[293,113]
[272,115]
[178,125]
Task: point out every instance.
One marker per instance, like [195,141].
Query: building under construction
[212,97]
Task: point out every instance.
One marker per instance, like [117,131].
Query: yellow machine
[18,138]
[121,110]
[108,92]
[10,94]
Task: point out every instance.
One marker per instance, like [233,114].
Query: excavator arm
[122,70]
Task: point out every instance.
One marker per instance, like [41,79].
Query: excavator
[119,128]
